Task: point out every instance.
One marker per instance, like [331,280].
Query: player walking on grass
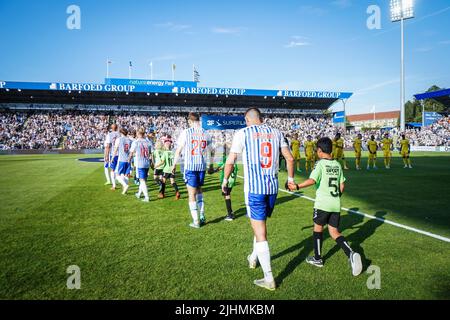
[132,137]
[405,151]
[110,161]
[309,153]
[106,157]
[167,162]
[231,183]
[387,147]
[329,180]
[158,173]
[122,150]
[260,147]
[372,146]
[357,145]
[195,143]
[142,148]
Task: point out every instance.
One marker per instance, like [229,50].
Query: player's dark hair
[325,144]
[193,116]
[123,131]
[403,136]
[372,137]
[338,135]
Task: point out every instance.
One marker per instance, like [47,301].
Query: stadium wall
[431,149]
[30,152]
[218,153]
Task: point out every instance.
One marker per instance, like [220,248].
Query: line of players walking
[128,152]
[386,145]
[260,147]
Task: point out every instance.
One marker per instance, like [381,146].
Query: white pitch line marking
[426,233]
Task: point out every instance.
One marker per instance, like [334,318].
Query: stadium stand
[72,130]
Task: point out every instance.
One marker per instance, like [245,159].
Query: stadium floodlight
[400,11]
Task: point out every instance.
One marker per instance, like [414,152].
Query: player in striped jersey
[195,144]
[259,146]
[110,161]
[132,137]
[106,155]
[142,148]
[122,151]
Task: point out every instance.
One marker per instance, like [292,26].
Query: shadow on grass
[363,232]
[408,194]
[237,214]
[349,221]
[285,199]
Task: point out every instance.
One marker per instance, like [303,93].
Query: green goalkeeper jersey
[168,158]
[328,176]
[233,176]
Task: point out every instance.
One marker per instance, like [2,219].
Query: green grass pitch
[55,212]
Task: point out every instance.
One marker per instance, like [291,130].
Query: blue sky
[284,44]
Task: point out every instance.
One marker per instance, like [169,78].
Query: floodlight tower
[400,11]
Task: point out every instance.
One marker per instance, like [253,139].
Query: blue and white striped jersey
[110,140]
[260,147]
[143,151]
[195,142]
[123,146]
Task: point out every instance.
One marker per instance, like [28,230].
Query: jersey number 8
[144,152]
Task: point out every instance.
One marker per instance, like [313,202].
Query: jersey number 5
[266,155]
[332,183]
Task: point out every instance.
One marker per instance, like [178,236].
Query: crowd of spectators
[86,130]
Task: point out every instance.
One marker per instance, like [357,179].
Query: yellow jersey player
[357,145]
[333,149]
[295,147]
[405,150]
[372,145]
[309,153]
[316,157]
[338,142]
[387,147]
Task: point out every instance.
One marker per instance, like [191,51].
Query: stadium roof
[128,93]
[443,96]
